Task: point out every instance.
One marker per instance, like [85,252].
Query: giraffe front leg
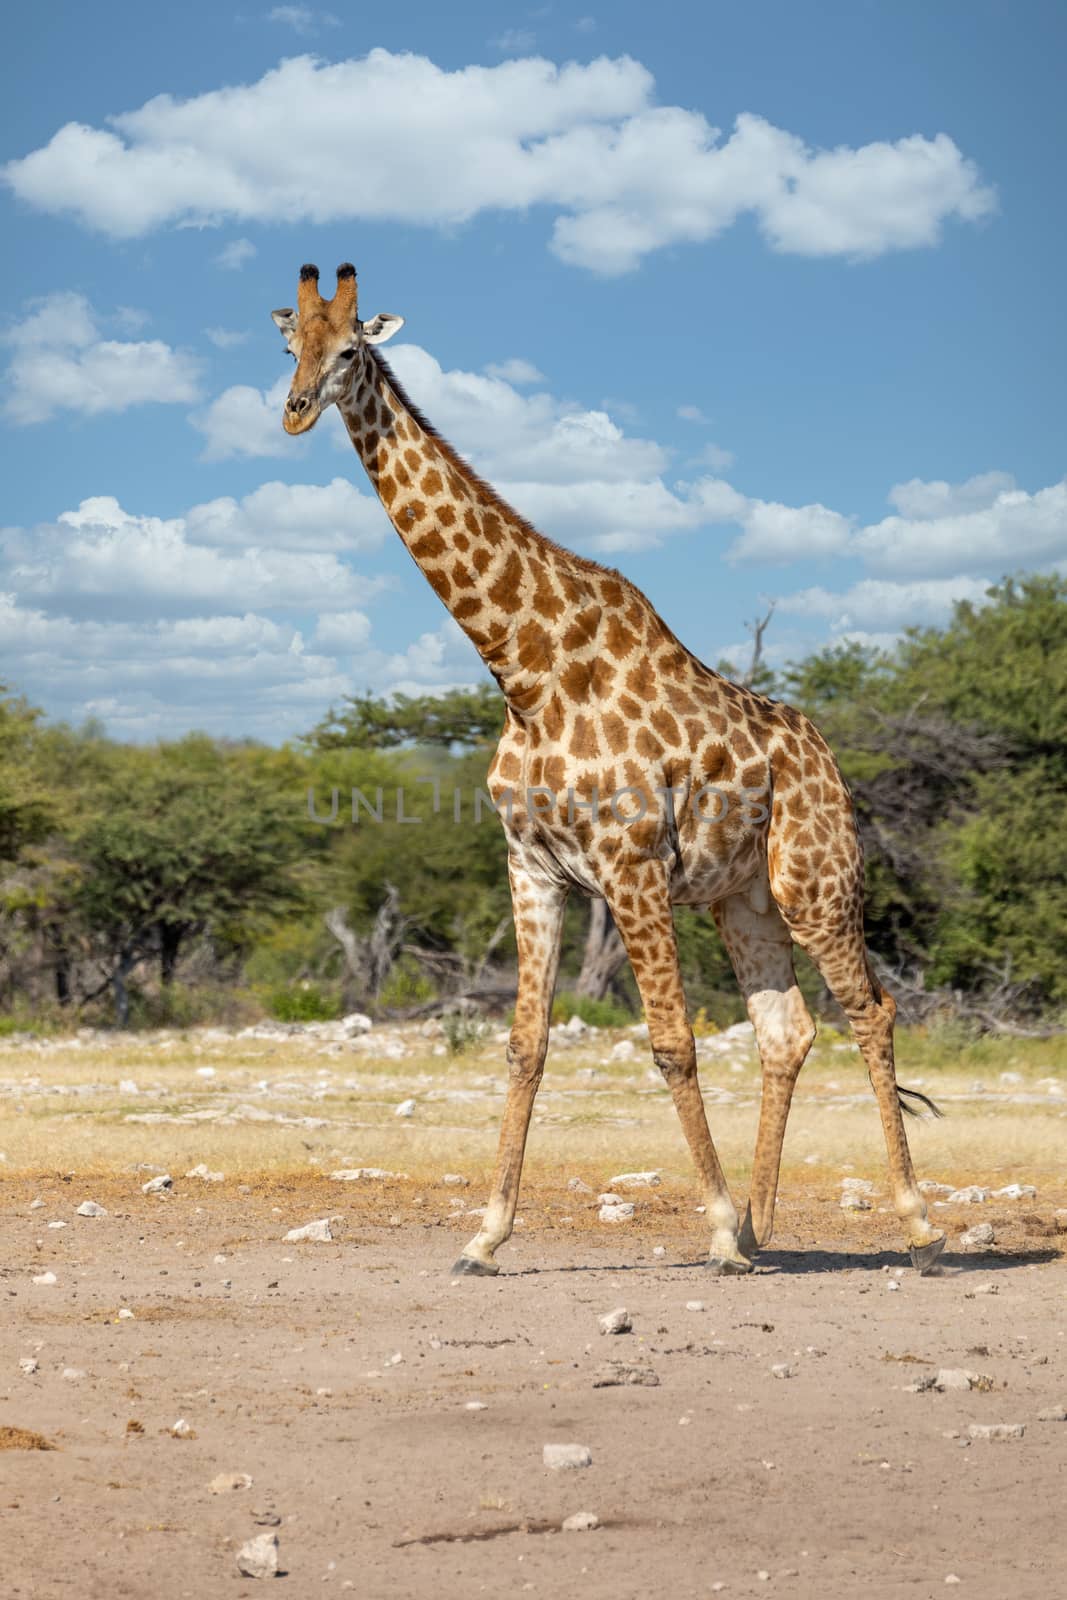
[642,912]
[538,906]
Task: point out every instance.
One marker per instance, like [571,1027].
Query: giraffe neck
[515,595]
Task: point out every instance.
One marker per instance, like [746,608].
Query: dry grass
[296,1108]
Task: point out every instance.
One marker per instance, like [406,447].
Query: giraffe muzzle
[301,413]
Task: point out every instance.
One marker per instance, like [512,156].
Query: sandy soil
[833,1482]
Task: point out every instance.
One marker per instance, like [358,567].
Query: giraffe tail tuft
[913,1094]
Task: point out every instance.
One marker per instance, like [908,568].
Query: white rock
[205,1072]
[90,1208]
[997,1430]
[1050,1414]
[456,1180]
[659,1251]
[229,1483]
[364,1175]
[971,1196]
[977,1237]
[782,1370]
[127,1086]
[625,1050]
[259,1557]
[636,1180]
[566,1457]
[931,1186]
[125,1314]
[319,1230]
[1016,1191]
[158,1185]
[476,1405]
[57,1224]
[609,1199]
[201,1171]
[47,1278]
[181,1429]
[576,1186]
[620,1212]
[852,1200]
[576,1026]
[581,1522]
[858,1185]
[73,1374]
[29,1365]
[356,1022]
[956,1378]
[406,1108]
[694,1305]
[617,1321]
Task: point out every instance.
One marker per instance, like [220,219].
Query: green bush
[597,1013]
[463,1031]
[303,1002]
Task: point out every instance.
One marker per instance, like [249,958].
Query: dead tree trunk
[605,953]
[368,961]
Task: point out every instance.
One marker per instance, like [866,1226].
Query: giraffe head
[325,337]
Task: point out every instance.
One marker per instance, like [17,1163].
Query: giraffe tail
[913,1094]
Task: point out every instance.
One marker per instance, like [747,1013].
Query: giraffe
[631,772]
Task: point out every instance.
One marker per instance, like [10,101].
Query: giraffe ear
[381,327]
[284,321]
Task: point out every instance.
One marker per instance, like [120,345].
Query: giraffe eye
[346,355]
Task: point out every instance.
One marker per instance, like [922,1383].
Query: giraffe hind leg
[761,951]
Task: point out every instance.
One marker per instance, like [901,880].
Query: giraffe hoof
[747,1242]
[468,1267]
[924,1256]
[727,1266]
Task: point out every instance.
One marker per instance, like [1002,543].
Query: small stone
[125,1314]
[29,1365]
[625,1050]
[852,1200]
[158,1185]
[1016,1191]
[893,1284]
[978,1237]
[659,1251]
[1050,1414]
[694,1305]
[406,1108]
[997,1430]
[73,1374]
[201,1171]
[621,1211]
[566,1457]
[581,1522]
[858,1185]
[38,1205]
[956,1378]
[319,1230]
[259,1557]
[617,1375]
[456,1180]
[46,1278]
[576,1026]
[57,1224]
[971,1196]
[476,1405]
[636,1180]
[90,1208]
[576,1186]
[356,1022]
[782,1370]
[394,1360]
[931,1186]
[951,1578]
[229,1483]
[617,1321]
[182,1430]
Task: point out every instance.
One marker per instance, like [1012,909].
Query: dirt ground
[340,1377]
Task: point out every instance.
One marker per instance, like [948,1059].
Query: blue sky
[756,302]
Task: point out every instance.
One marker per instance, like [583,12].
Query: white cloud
[243,421]
[715,457]
[102,560]
[60,363]
[226,338]
[622,175]
[874,604]
[983,525]
[775,533]
[516,371]
[236,254]
[692,414]
[292,516]
[343,631]
[302,19]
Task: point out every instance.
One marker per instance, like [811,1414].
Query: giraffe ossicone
[602,699]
